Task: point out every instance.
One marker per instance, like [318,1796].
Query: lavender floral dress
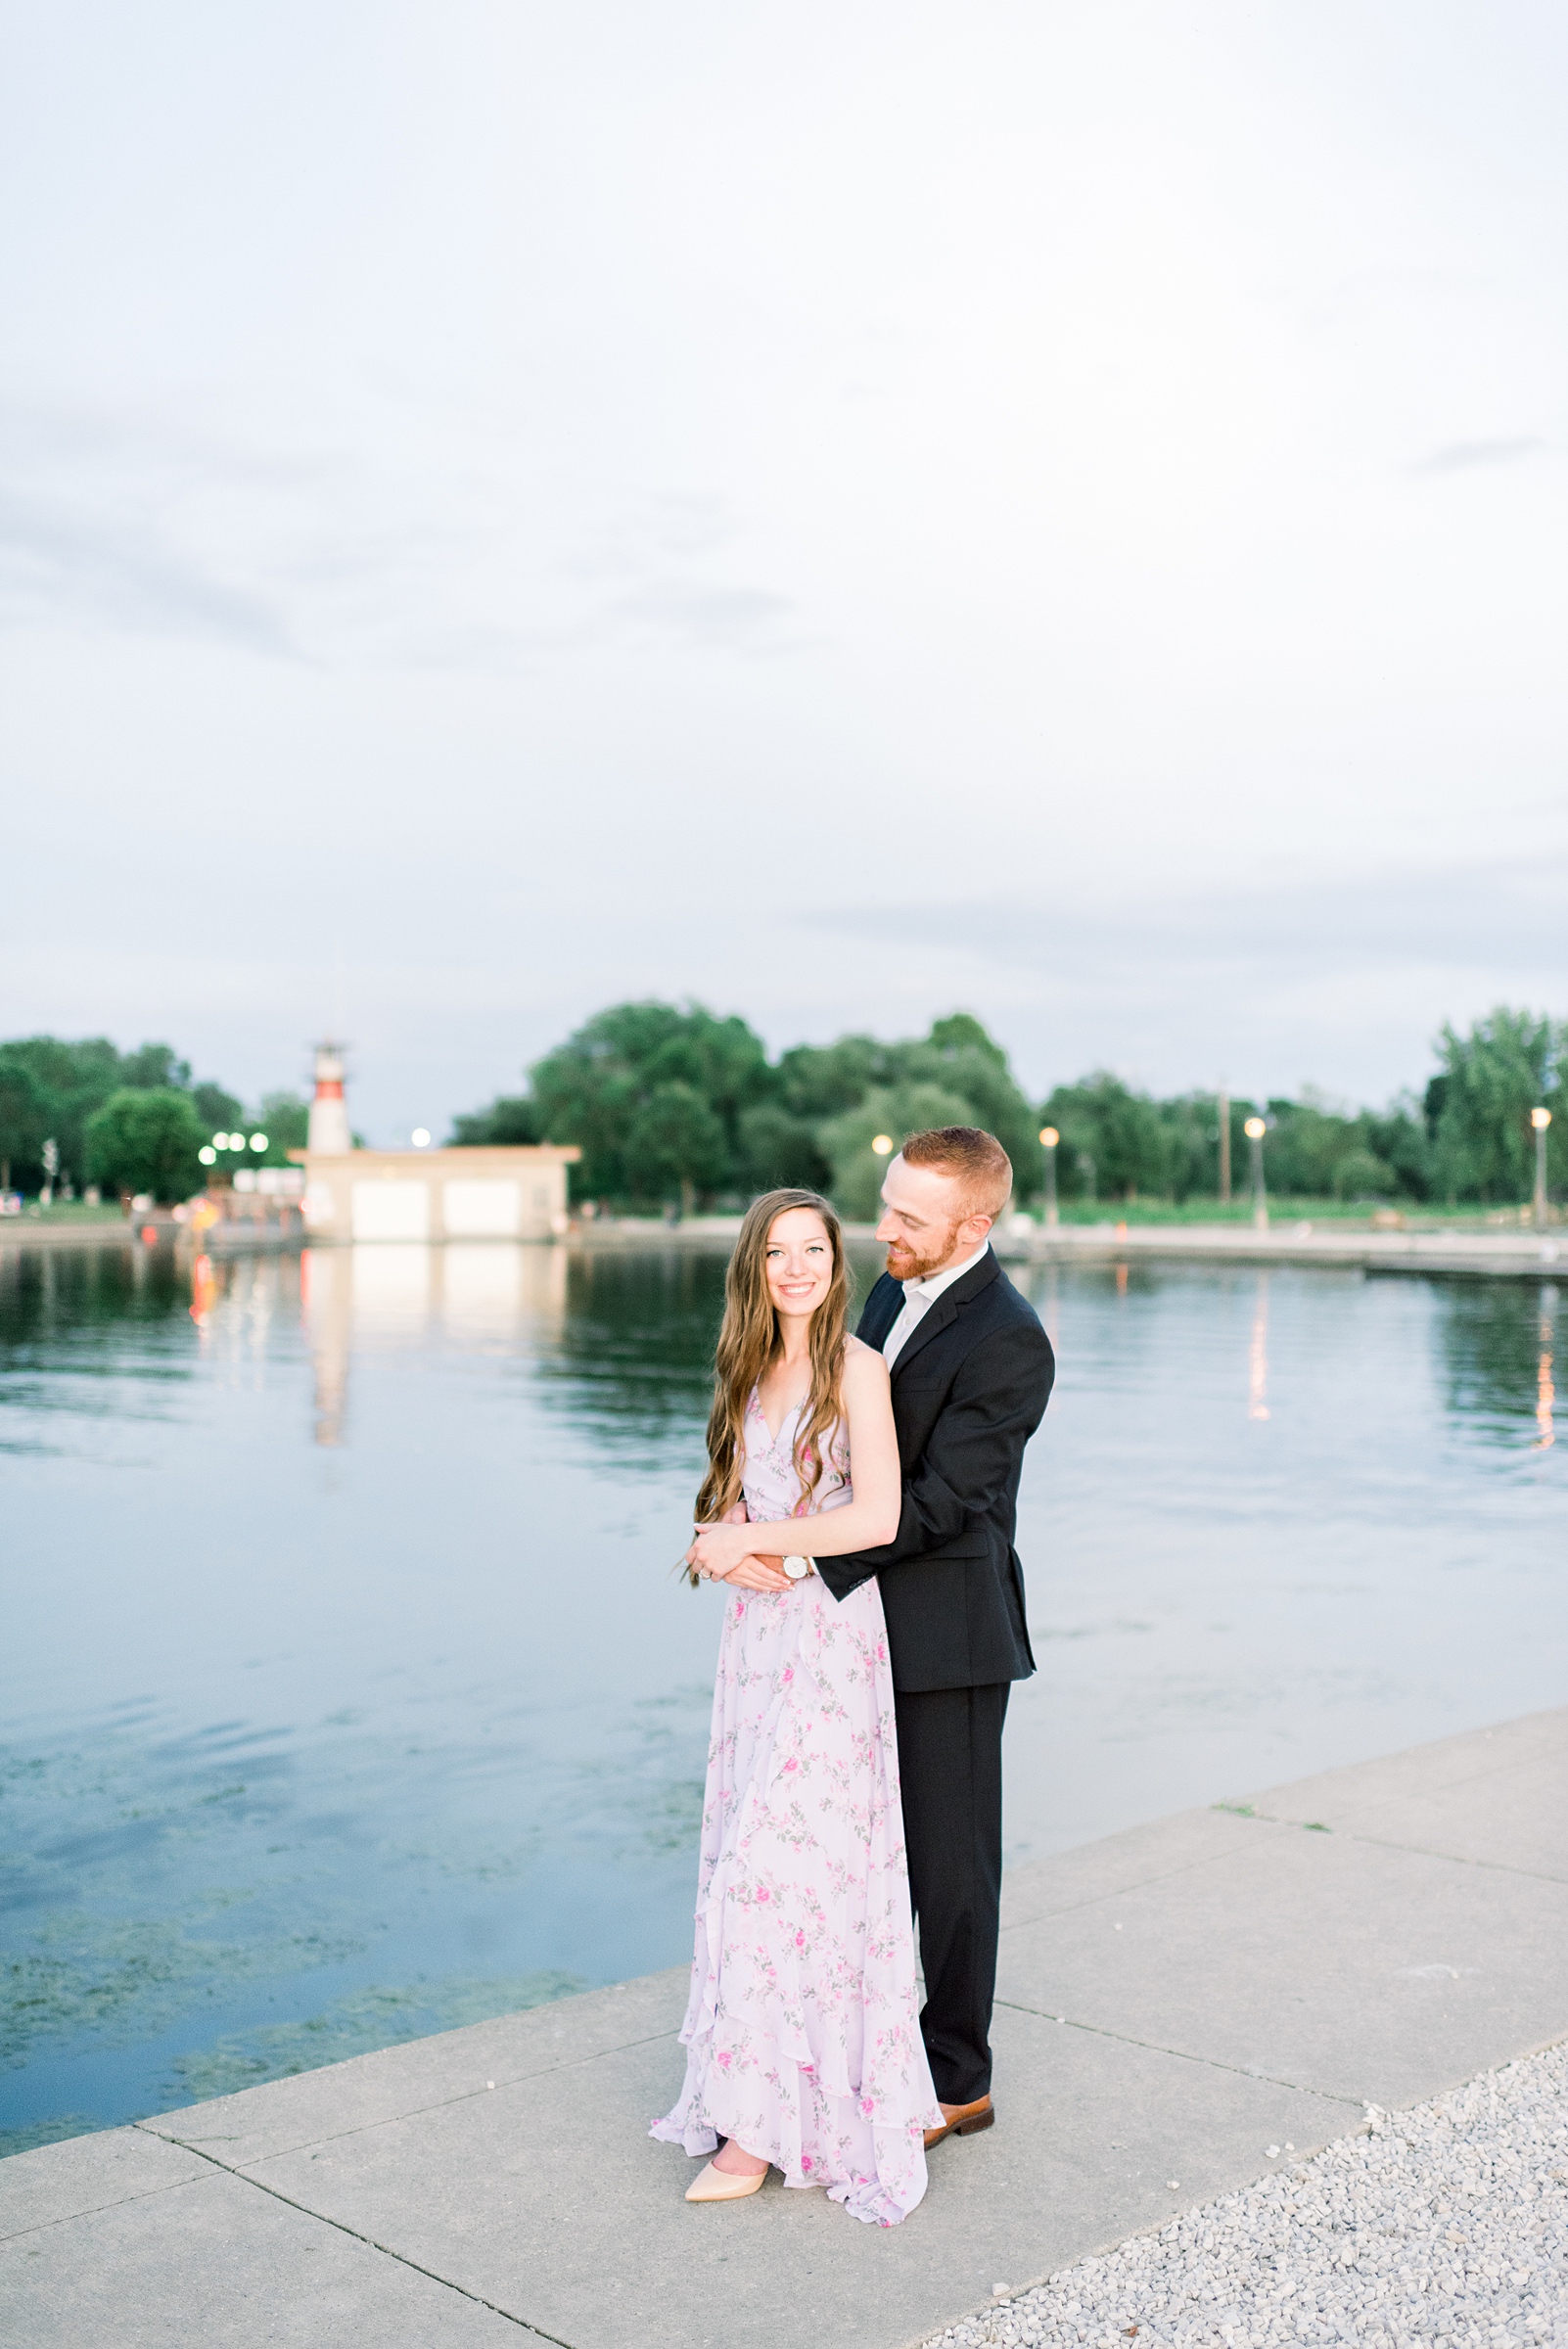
[802,2033]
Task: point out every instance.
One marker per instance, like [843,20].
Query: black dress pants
[949,1766]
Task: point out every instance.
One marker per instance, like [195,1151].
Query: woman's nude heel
[723,2186]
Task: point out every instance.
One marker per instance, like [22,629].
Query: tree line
[77,1114]
[672,1102]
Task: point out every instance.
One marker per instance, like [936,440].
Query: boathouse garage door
[476,1209]
[391,1211]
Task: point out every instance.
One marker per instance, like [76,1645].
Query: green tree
[55,1088]
[819,1080]
[820,1084]
[285,1119]
[1192,1126]
[593,1088]
[512,1119]
[24,1121]
[156,1067]
[1484,1145]
[1399,1136]
[961,1058]
[675,1145]
[1362,1174]
[1114,1142]
[146,1139]
[215,1110]
[896,1110]
[68,1083]
[777,1149]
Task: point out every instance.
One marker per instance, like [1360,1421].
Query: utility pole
[1540,1119]
[1255,1130]
[1049,1137]
[1225,1143]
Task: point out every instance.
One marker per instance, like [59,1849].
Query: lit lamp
[1540,1119]
[1255,1130]
[1049,1139]
[882,1144]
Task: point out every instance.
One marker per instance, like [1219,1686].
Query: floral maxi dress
[802,2033]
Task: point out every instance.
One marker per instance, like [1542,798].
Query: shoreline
[1486,1254]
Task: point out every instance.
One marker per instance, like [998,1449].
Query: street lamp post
[1255,1130]
[1540,1119]
[1049,1137]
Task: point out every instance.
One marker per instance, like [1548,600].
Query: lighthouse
[329,1134]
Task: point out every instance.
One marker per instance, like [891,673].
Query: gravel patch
[1445,2223]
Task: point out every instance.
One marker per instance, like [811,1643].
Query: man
[971,1372]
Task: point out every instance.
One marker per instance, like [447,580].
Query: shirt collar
[933,1284]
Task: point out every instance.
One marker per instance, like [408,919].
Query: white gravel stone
[1446,2223]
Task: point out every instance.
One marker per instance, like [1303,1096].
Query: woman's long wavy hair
[749,1340]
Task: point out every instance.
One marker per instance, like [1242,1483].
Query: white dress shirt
[919,1296]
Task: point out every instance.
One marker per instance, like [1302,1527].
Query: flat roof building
[511,1193]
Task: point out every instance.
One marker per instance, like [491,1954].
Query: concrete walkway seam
[470,2096]
[1155,2047]
[401,2258]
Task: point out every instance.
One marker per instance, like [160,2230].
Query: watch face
[797,1569]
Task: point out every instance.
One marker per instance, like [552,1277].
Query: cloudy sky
[842,510]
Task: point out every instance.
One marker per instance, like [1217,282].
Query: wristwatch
[798,1568]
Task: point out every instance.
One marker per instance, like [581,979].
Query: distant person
[971,1372]
[802,2033]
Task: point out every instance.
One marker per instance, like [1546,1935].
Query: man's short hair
[982,1167]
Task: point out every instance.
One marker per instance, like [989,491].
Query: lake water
[348,1693]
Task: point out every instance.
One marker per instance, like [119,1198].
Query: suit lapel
[882,1309]
[944,1313]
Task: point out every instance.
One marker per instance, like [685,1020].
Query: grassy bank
[68,1210]
[1354,1216]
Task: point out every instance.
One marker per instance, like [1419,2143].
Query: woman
[802,2033]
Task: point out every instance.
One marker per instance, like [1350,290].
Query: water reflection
[325,1741]
[405,1295]
[326,1278]
[1498,1343]
[1258,1354]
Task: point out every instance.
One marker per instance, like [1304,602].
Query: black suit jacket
[969,1388]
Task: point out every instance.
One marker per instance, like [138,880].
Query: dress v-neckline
[792,1412]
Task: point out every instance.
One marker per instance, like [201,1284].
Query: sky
[844,512]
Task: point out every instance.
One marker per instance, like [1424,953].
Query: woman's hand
[717,1549]
[722,1553]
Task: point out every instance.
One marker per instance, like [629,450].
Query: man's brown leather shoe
[962,2120]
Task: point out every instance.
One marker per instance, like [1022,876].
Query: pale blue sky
[842,510]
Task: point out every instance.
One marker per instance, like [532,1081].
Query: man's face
[923,1224]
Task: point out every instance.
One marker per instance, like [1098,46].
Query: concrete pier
[1172,2000]
[1516,1253]
[1509,1253]
[1488,1252]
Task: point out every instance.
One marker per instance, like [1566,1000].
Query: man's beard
[904,1264]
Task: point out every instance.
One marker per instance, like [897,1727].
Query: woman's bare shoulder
[862,1363]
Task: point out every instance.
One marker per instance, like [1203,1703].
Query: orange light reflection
[1545,1389]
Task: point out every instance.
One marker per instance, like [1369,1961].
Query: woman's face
[797,1261]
